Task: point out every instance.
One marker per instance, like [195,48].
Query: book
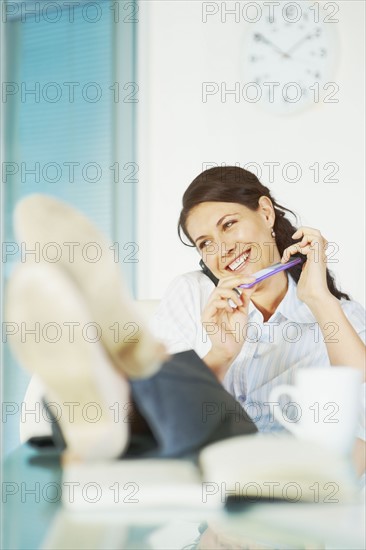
[243,469]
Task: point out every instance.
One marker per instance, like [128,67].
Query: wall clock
[290,58]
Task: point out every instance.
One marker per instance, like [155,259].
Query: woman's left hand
[312,285]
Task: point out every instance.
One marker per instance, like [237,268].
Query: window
[69,98]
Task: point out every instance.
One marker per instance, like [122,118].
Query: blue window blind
[62,120]
[63,112]
[66,113]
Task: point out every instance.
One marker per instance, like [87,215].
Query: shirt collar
[290,307]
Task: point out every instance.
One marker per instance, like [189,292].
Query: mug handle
[281,417]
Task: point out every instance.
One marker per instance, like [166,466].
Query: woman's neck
[270,294]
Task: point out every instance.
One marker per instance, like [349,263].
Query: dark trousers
[179,410]
[186,408]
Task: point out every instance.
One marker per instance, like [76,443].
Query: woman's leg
[182,404]
[177,411]
[87,257]
[56,338]
[185,408]
[182,408]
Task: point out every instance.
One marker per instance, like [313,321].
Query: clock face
[290,64]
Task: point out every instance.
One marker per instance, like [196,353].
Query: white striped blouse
[273,351]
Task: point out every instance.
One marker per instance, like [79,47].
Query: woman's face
[231,238]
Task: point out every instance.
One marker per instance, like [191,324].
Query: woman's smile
[240,262]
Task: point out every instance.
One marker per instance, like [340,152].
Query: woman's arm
[226,326]
[346,347]
[217,363]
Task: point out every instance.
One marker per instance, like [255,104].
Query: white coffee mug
[326,405]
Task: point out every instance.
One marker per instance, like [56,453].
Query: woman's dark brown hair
[235,184]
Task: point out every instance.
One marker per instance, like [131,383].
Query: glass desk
[33,517]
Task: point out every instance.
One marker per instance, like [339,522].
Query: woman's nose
[227,250]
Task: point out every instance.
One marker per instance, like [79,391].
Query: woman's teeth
[239,261]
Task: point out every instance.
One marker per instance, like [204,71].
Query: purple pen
[271,270]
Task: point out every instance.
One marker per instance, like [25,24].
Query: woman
[294,319]
[149,404]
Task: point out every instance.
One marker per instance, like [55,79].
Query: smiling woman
[237,192]
[255,339]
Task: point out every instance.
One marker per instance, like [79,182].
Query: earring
[273,234]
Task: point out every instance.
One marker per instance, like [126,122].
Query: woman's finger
[216,306]
[294,249]
[311,247]
[225,294]
[308,238]
[303,230]
[310,235]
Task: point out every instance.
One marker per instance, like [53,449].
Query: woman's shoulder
[194,280]
[190,290]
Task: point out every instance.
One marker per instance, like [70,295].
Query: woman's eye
[203,244]
[228,224]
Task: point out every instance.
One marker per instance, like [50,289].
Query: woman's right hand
[226,326]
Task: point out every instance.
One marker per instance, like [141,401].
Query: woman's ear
[265,207]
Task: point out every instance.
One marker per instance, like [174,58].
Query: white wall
[178,132]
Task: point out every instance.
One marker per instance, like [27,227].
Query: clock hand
[295,46]
[265,40]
